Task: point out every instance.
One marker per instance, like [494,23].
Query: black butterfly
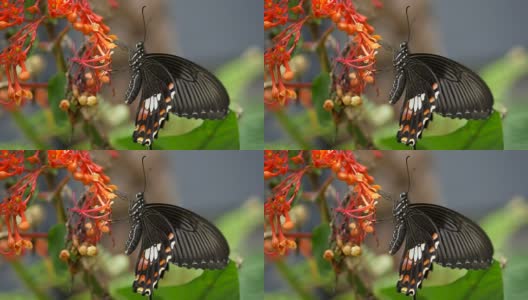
[433,83]
[435,234]
[171,234]
[169,83]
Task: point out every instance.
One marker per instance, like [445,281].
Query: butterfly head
[400,58]
[400,209]
[136,209]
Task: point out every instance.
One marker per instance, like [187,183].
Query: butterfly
[171,234]
[171,84]
[435,234]
[433,83]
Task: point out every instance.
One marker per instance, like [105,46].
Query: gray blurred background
[210,183]
[472,32]
[208,32]
[474,183]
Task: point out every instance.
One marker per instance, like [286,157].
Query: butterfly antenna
[408,24]
[144,174]
[144,23]
[408,174]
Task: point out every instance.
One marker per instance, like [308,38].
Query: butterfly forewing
[199,244]
[464,243]
[197,93]
[464,93]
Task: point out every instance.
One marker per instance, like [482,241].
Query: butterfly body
[171,234]
[435,234]
[433,83]
[171,84]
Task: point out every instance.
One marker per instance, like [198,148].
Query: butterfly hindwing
[465,244]
[199,244]
[421,94]
[157,251]
[464,93]
[155,103]
[421,246]
[197,92]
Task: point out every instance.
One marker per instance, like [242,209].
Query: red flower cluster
[95,55]
[353,218]
[24,170]
[355,215]
[19,194]
[275,163]
[357,59]
[92,213]
[15,55]
[278,206]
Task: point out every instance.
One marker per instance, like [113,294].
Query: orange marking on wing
[171,86]
[426,262]
[435,86]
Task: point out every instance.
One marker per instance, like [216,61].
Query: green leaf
[475,285]
[211,135]
[56,92]
[251,276]
[475,135]
[56,244]
[320,236]
[516,128]
[212,285]
[514,275]
[252,128]
[321,92]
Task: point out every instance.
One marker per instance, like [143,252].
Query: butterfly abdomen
[133,88]
[134,236]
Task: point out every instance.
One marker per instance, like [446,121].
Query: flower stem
[292,280]
[321,49]
[292,130]
[56,197]
[27,279]
[28,130]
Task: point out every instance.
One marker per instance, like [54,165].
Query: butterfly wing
[199,244]
[197,93]
[464,243]
[155,103]
[421,245]
[421,93]
[463,93]
[156,252]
